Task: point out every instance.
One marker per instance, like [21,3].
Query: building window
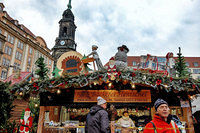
[187,64]
[198,77]
[30,51]
[8,50]
[45,59]
[28,69]
[20,45]
[196,71]
[160,59]
[3,74]
[10,39]
[6,62]
[16,66]
[49,62]
[189,70]
[1,44]
[196,64]
[134,63]
[18,55]
[29,61]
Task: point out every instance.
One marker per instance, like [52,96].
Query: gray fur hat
[158,102]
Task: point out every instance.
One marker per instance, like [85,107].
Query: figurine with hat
[121,58]
[96,57]
[112,70]
[170,63]
[26,122]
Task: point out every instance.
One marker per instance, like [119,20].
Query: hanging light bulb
[95,83]
[36,105]
[58,91]
[166,86]
[110,84]
[133,85]
[21,93]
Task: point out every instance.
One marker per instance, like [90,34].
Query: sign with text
[113,96]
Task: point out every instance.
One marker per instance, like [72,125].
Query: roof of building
[23,76]
[192,60]
[130,60]
[189,60]
[136,59]
[24,28]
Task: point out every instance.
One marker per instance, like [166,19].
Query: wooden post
[190,126]
[41,119]
[112,126]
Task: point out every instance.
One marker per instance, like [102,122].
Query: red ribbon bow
[158,82]
[35,86]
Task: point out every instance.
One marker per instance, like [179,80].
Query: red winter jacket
[161,126]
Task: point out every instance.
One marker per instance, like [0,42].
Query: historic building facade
[19,47]
[193,63]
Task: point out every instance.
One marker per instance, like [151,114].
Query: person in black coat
[97,120]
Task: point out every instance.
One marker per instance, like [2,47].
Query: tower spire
[69,5]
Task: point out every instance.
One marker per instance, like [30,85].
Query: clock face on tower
[62,42]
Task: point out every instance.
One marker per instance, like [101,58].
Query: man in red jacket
[161,123]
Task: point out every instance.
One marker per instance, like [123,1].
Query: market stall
[67,110]
[66,99]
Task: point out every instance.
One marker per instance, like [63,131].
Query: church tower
[66,39]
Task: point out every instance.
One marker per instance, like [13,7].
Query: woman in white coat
[125,123]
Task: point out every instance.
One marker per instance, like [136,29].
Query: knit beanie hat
[100,100]
[159,102]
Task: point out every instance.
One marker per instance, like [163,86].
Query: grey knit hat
[100,100]
[158,102]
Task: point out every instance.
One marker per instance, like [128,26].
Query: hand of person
[21,120]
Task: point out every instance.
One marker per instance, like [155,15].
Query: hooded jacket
[161,126]
[97,120]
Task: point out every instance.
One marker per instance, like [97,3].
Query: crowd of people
[98,121]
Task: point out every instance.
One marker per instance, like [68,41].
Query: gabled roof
[23,76]
[25,29]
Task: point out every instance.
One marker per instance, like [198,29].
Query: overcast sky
[146,26]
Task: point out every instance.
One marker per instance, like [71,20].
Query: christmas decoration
[26,123]
[35,86]
[121,58]
[96,57]
[158,82]
[56,72]
[22,115]
[170,64]
[151,62]
[6,104]
[112,70]
[180,65]
[101,78]
[34,103]
[42,69]
[85,68]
